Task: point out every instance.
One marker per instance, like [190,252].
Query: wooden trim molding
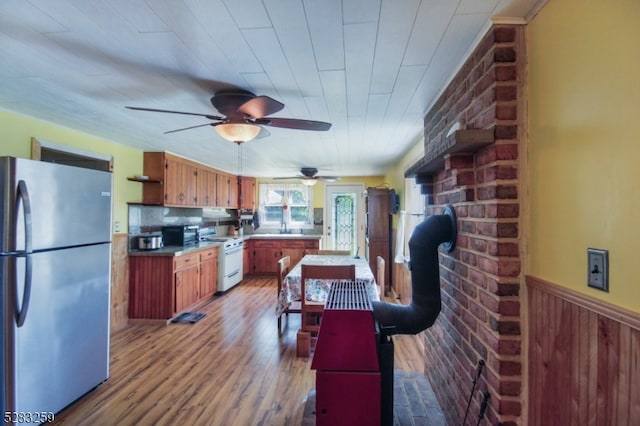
[616,313]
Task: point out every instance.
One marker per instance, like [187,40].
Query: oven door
[231,268]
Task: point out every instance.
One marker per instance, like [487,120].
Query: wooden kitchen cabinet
[379,224]
[179,179]
[187,281]
[266,252]
[160,287]
[227,191]
[247,198]
[172,180]
[176,181]
[206,187]
[246,258]
[297,249]
[208,272]
[265,256]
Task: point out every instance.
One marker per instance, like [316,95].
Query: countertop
[180,250]
[283,236]
[175,250]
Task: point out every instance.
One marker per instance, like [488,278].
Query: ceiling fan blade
[294,123]
[260,106]
[292,177]
[191,127]
[328,178]
[263,133]
[210,117]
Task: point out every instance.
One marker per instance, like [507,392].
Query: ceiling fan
[242,115]
[309,176]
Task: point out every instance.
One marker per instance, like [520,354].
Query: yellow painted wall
[395,176]
[16,132]
[584,144]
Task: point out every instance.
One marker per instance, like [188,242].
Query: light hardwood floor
[230,368]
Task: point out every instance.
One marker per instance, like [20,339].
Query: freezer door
[62,350]
[69,205]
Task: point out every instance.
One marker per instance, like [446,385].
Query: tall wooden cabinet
[379,231]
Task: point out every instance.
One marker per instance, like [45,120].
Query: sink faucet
[283,229]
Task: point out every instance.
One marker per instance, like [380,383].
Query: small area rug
[188,318]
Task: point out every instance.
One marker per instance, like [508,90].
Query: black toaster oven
[180,235]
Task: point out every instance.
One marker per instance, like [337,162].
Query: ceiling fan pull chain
[239,159]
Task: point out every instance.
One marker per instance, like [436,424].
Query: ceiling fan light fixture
[237,132]
[308,182]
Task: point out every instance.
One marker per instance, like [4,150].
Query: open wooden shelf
[137,179]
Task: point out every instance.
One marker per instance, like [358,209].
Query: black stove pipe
[425,304]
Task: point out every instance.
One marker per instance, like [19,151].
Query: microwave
[180,235]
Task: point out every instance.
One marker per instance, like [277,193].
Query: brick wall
[480,280]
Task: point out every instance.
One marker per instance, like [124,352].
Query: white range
[229,260]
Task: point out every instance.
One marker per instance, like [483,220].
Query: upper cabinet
[174,181]
[247,193]
[206,187]
[178,183]
[227,187]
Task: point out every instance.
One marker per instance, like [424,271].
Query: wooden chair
[312,311]
[380,270]
[284,265]
[334,252]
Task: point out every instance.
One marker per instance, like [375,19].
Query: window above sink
[285,206]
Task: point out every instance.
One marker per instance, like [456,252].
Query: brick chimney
[472,162]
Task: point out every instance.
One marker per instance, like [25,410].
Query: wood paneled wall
[584,359]
[119,281]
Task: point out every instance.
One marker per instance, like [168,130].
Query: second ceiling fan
[243,114]
[309,176]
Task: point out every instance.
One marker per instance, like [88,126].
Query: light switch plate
[598,269]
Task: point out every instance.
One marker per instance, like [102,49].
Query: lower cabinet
[162,286]
[264,253]
[208,272]
[246,258]
[187,281]
[265,256]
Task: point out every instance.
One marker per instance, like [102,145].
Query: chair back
[312,312]
[338,272]
[284,264]
[380,273]
[334,252]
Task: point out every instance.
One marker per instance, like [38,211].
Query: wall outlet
[598,272]
[116,226]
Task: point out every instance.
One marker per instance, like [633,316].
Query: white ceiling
[370,67]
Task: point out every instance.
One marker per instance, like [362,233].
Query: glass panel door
[344,218]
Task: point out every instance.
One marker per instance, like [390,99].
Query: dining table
[290,290]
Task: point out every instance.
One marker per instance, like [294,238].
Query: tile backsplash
[144,219]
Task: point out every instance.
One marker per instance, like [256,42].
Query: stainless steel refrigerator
[55,273]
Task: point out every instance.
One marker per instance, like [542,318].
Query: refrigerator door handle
[23,198]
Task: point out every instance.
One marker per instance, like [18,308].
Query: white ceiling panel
[325,26]
[359,47]
[432,20]
[360,11]
[289,22]
[396,22]
[371,68]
